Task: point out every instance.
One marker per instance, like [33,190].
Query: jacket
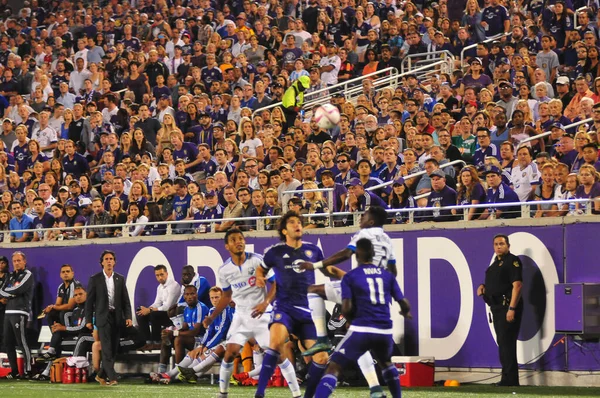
[294,95]
[97,300]
[75,320]
[19,291]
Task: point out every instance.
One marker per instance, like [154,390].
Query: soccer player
[212,346]
[239,280]
[367,293]
[371,228]
[290,312]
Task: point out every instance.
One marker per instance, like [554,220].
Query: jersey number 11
[376,290]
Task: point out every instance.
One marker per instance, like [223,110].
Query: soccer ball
[327,116]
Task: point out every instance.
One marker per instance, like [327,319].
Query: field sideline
[135,388]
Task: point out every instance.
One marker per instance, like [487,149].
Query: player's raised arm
[262,307]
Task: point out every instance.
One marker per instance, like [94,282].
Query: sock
[392,379]
[288,372]
[46,371]
[326,386]
[268,367]
[317,313]
[257,358]
[196,362]
[162,368]
[206,364]
[184,364]
[254,373]
[224,376]
[315,372]
[367,367]
[51,350]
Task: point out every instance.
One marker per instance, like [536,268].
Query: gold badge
[516,264]
[500,263]
[277,316]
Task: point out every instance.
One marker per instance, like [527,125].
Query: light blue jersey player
[367,292]
[291,314]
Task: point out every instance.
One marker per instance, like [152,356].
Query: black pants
[2,309]
[58,338]
[158,319]
[83,345]
[109,338]
[55,316]
[14,336]
[507,334]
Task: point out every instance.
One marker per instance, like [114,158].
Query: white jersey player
[371,228]
[238,281]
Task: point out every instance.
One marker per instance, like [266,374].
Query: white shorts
[333,291]
[244,327]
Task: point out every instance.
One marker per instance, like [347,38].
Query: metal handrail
[575,14]
[391,70]
[547,133]
[417,174]
[408,59]
[462,53]
[524,206]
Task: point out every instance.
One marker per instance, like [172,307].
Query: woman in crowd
[470,192]
[126,143]
[546,191]
[313,203]
[250,146]
[581,139]
[36,156]
[400,198]
[30,195]
[163,136]
[139,146]
[589,188]
[64,127]
[87,189]
[5,217]
[135,215]
[117,215]
[73,219]
[57,211]
[138,194]
[152,213]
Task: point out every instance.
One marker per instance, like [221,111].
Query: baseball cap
[71,203]
[73,182]
[85,202]
[218,125]
[492,169]
[63,188]
[438,173]
[398,181]
[557,126]
[210,193]
[285,166]
[478,60]
[355,182]
[562,80]
[504,83]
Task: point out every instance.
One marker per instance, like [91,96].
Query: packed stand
[115,114]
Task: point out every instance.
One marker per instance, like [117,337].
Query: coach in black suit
[109,301]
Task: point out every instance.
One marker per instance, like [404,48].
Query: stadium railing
[525,210]
[491,39]
[547,133]
[409,65]
[388,74]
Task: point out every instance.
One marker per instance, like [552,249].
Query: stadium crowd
[152,110]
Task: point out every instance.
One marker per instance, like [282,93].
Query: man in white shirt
[330,65]
[167,294]
[82,51]
[525,176]
[79,75]
[45,135]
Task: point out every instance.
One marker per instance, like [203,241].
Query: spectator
[499,192]
[525,176]
[233,209]
[20,221]
[441,196]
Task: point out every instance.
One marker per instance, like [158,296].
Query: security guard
[293,99]
[502,292]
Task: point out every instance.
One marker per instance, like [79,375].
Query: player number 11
[376,290]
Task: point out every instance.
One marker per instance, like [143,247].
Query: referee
[502,292]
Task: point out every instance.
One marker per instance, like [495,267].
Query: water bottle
[572,208]
[492,214]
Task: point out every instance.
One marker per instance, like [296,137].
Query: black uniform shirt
[500,276]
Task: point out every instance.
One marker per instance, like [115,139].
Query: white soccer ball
[327,116]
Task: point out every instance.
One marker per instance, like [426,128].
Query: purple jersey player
[367,292]
[291,314]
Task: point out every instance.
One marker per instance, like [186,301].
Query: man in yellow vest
[293,99]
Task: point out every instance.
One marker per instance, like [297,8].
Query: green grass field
[136,388]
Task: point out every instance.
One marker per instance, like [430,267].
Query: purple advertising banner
[438,270]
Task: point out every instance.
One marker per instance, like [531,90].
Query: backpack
[56,370]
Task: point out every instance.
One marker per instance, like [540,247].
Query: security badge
[516,264]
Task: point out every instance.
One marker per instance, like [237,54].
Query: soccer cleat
[241,377]
[221,395]
[40,377]
[377,394]
[321,345]
[47,357]
[250,382]
[186,374]
[164,378]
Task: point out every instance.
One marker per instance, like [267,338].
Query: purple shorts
[297,322]
[355,344]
